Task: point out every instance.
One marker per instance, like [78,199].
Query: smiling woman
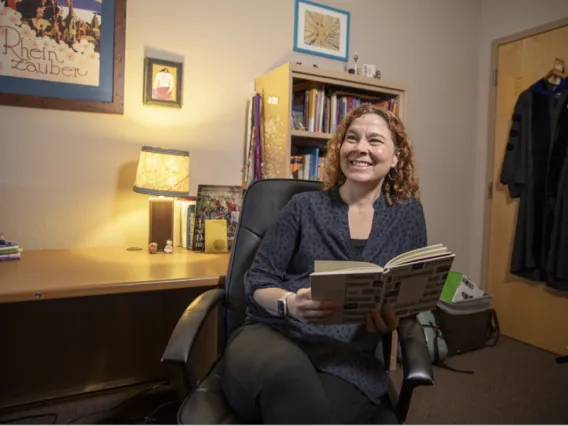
[371,146]
[283,365]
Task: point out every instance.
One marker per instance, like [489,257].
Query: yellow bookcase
[278,88]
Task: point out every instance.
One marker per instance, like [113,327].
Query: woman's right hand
[303,308]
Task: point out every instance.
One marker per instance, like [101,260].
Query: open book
[411,282]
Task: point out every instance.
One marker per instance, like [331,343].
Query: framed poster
[321,30]
[163,82]
[63,54]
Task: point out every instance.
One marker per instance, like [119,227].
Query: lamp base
[161,221]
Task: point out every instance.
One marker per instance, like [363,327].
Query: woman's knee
[260,359]
[266,372]
[240,397]
[260,354]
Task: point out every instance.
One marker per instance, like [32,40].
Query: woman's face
[367,152]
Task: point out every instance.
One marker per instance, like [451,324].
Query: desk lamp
[163,173]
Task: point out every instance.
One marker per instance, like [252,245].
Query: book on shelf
[411,283]
[320,108]
[308,165]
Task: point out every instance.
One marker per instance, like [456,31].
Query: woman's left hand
[382,321]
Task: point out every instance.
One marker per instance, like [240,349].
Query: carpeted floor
[513,383]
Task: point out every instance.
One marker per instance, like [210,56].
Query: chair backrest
[262,202]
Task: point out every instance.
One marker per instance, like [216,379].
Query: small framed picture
[321,30]
[163,82]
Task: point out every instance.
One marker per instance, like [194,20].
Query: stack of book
[8,250]
[309,165]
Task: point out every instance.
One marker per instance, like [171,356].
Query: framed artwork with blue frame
[321,30]
[63,54]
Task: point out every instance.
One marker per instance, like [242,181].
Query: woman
[281,366]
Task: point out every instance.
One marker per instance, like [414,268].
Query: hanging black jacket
[556,221]
[534,169]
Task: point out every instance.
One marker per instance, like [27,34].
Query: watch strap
[283,305]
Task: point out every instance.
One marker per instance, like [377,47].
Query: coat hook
[558,64]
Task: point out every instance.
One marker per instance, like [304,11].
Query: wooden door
[527,311]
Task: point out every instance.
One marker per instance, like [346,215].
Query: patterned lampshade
[163,172]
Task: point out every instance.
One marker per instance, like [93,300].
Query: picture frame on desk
[216,202]
[163,83]
[321,30]
[65,56]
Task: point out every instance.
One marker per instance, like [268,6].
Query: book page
[339,265]
[412,252]
[418,254]
[415,287]
[357,290]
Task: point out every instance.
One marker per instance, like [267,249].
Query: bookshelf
[330,95]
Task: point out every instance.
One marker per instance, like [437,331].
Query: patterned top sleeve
[274,253]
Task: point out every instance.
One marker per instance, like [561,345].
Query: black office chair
[203,400]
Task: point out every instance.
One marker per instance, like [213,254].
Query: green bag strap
[437,360]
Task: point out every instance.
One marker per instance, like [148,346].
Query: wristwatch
[283,306]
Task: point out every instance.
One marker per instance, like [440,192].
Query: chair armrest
[416,363]
[182,340]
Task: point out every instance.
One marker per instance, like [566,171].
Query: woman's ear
[394,160]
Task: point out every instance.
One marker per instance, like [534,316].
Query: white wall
[499,18]
[66,177]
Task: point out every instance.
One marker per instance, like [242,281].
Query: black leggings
[268,378]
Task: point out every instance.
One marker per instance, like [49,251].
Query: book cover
[178,205]
[459,287]
[187,212]
[216,236]
[190,226]
[216,202]
[410,283]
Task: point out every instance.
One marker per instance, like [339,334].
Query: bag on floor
[435,341]
[468,325]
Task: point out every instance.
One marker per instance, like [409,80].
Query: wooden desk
[57,274]
[74,321]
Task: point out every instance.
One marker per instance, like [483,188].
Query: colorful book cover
[187,210]
[190,227]
[216,202]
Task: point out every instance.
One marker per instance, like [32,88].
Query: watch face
[281,308]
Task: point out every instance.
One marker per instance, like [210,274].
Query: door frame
[490,160]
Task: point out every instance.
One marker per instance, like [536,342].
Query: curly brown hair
[404,184]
